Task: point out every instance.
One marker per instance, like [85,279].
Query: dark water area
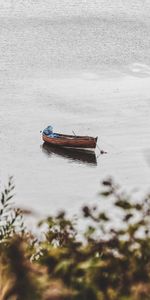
[82,67]
[72,154]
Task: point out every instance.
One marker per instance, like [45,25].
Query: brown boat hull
[71,141]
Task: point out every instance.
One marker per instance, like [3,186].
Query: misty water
[81,66]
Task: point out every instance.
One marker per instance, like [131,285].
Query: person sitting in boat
[48,131]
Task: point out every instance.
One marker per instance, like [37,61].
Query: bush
[108,263]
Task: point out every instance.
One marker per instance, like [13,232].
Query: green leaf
[2,198]
[123,204]
[106,193]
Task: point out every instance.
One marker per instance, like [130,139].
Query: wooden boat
[81,156]
[71,141]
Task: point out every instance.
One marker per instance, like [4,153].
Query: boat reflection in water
[77,155]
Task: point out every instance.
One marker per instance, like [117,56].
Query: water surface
[82,67]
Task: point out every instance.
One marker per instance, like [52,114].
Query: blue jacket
[48,131]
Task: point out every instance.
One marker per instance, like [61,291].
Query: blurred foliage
[109,261]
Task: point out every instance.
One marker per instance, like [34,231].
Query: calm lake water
[81,66]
